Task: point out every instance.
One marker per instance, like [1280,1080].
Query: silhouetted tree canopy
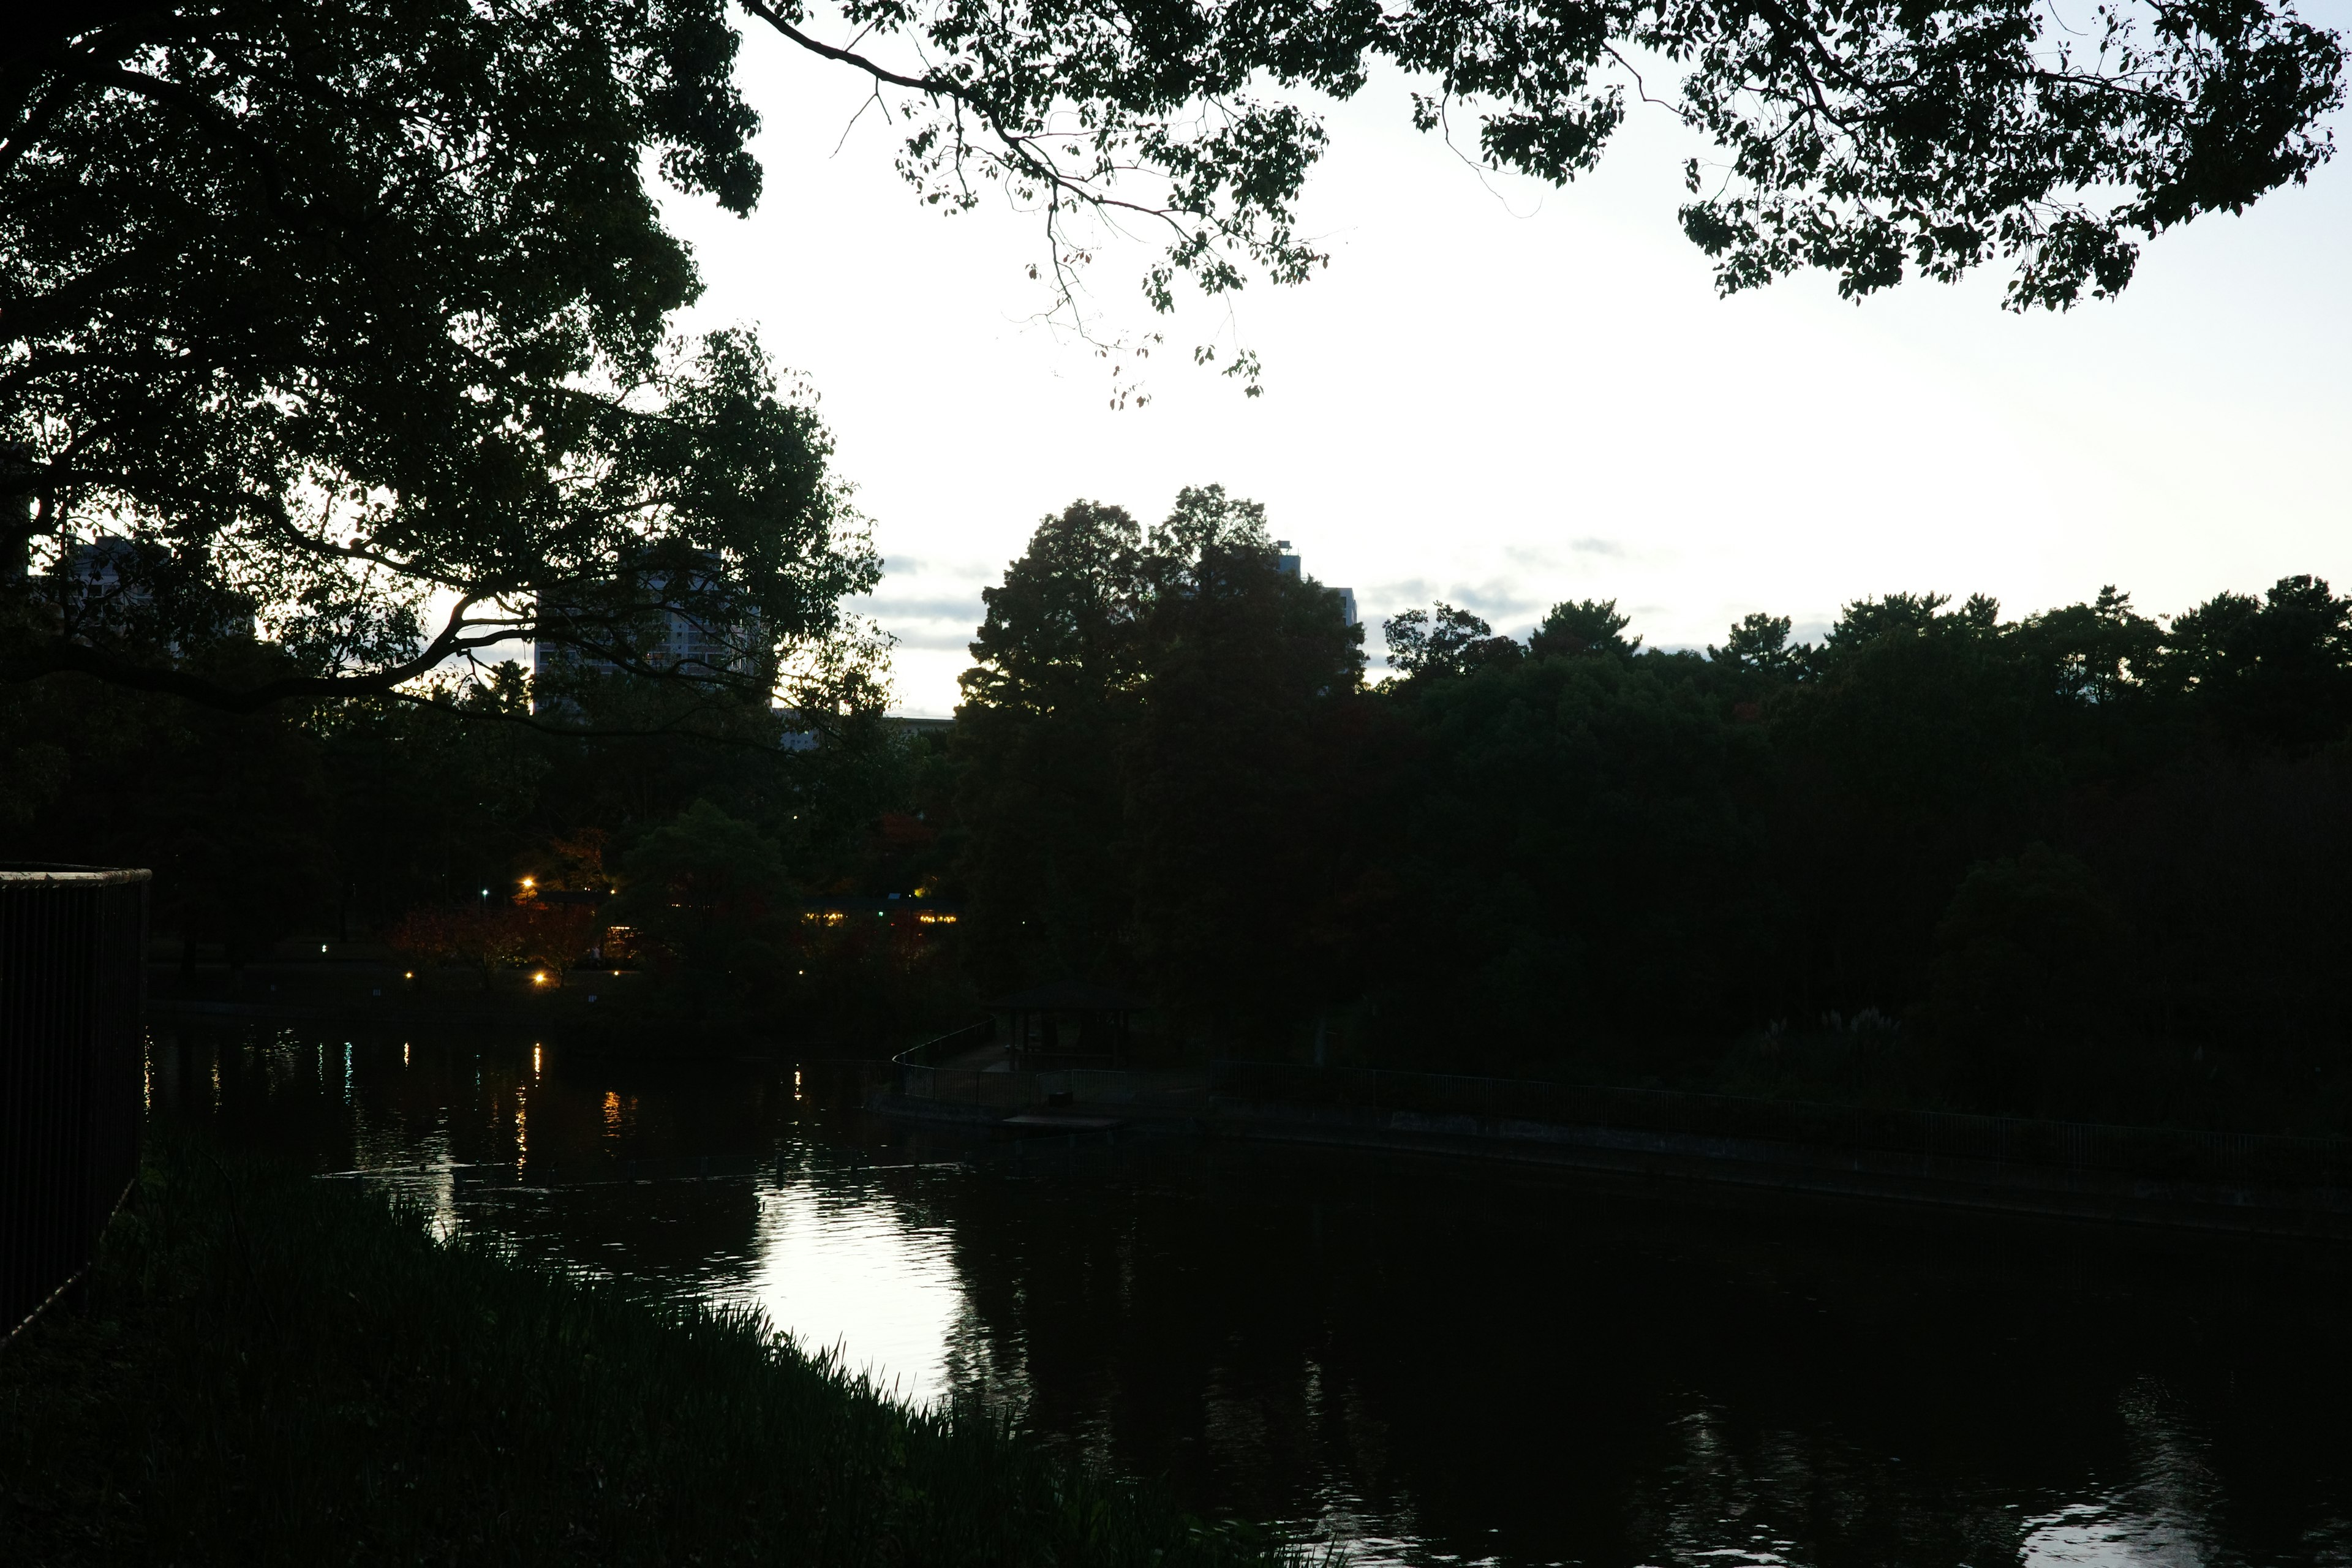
[354,318]
[1142,749]
[1584,627]
[1875,140]
[1442,641]
[1047,706]
[361,821]
[1760,642]
[2083,862]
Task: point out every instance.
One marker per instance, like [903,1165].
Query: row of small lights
[927,917]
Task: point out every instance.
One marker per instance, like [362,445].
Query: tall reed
[270,1368]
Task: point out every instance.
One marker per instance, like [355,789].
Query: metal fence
[1930,1137]
[72,978]
[932,1053]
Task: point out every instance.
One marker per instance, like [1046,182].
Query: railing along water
[72,979]
[919,1072]
[1924,1138]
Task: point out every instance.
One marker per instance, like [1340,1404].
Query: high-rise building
[1285,560]
[102,585]
[709,642]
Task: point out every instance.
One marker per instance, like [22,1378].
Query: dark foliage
[1874,141]
[375,823]
[1142,791]
[2085,863]
[2080,863]
[268,1368]
[347,323]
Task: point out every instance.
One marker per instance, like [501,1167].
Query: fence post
[73,970]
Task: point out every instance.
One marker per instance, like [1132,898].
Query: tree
[1873,139]
[2079,863]
[1573,839]
[2275,670]
[1876,139]
[424,806]
[233,812]
[1234,768]
[1584,627]
[2028,978]
[484,939]
[1060,630]
[702,888]
[1761,643]
[1426,645]
[2103,652]
[1140,747]
[1046,707]
[349,322]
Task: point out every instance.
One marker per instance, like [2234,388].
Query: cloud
[949,640]
[1497,599]
[1407,591]
[945,621]
[1539,559]
[897,565]
[1498,602]
[964,608]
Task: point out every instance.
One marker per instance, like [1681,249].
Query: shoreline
[621,1033]
[1801,1170]
[266,1367]
[1813,1171]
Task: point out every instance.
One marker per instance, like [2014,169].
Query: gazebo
[1066,1018]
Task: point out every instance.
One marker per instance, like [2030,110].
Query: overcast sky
[1502,394]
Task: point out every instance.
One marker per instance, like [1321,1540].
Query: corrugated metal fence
[72,1064]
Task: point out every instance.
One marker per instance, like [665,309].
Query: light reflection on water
[2164,1518]
[846,1273]
[1419,1366]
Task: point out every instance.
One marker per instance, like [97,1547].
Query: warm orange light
[528,884]
[539,980]
[410,975]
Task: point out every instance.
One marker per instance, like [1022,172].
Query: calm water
[1423,1363]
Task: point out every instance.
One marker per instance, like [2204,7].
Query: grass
[265,1369]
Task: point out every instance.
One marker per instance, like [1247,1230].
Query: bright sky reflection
[840,1268]
[848,1274]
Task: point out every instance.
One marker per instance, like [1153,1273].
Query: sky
[1504,394]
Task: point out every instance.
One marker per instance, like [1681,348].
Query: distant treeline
[373,821]
[2087,862]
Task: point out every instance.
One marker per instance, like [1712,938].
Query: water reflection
[851,1275]
[2163,1517]
[1422,1365]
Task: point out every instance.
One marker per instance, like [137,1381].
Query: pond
[1417,1362]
